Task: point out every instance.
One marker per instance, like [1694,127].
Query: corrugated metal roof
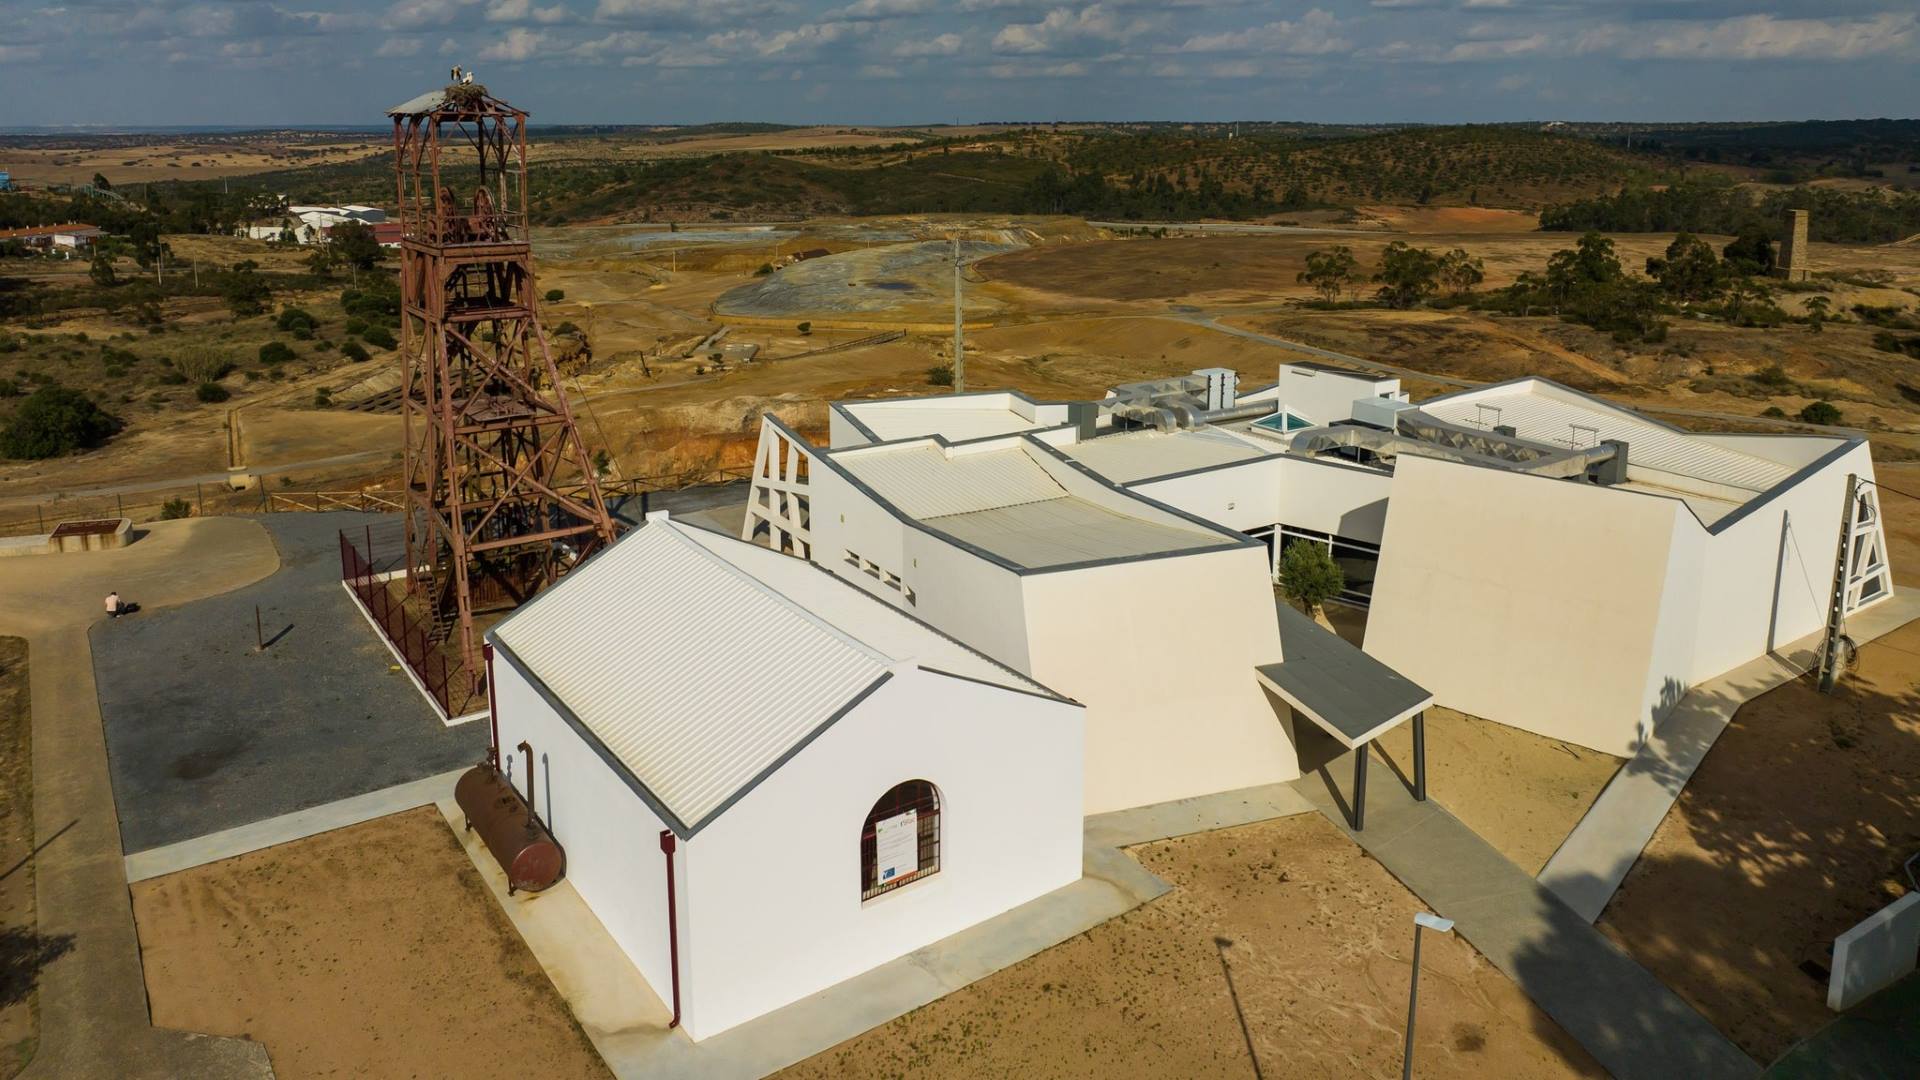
[421,105]
[1057,532]
[957,423]
[924,482]
[1141,455]
[875,622]
[694,674]
[1546,412]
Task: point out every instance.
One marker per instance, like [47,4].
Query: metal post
[1413,1004]
[259,635]
[959,343]
[1360,787]
[1420,756]
[493,708]
[40,517]
[200,498]
[667,845]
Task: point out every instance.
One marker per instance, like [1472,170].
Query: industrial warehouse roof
[998,499]
[701,663]
[1343,690]
[1545,411]
[1142,455]
[954,417]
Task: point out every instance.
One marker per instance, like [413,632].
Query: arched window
[901,840]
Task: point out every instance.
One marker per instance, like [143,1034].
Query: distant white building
[820,781]
[310,224]
[69,238]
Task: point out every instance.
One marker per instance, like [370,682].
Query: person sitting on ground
[113,604]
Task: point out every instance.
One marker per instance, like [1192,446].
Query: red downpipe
[526,758]
[673,926]
[493,709]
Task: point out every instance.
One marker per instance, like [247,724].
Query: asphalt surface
[205,733]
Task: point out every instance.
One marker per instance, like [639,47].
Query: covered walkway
[1347,694]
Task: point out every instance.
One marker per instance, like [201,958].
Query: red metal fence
[410,634]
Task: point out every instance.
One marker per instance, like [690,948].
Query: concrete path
[93,1000]
[626,1020]
[1594,859]
[286,828]
[1627,1019]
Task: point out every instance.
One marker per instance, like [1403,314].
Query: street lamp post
[1421,920]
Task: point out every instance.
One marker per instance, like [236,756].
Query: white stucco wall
[1765,577]
[841,431]
[1243,496]
[1326,396]
[1162,652]
[773,885]
[1534,602]
[611,838]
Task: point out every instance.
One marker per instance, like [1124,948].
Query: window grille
[923,799]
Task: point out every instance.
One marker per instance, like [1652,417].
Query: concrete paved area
[93,1001]
[154,862]
[207,734]
[1594,859]
[1879,1039]
[627,1021]
[1627,1019]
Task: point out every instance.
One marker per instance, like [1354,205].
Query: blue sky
[920,61]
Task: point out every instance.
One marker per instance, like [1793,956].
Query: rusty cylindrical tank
[521,845]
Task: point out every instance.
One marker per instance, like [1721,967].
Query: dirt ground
[1792,831]
[373,950]
[1283,951]
[22,950]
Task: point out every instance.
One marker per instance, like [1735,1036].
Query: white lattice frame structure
[779,500]
[1868,581]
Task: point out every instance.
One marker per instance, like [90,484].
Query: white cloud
[799,41]
[408,13]
[399,46]
[525,11]
[1063,28]
[19,53]
[882,9]
[1072,69]
[944,45]
[519,44]
[1764,37]
[879,71]
[1315,33]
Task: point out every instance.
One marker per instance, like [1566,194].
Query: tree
[1407,275]
[245,292]
[102,272]
[1818,310]
[353,243]
[144,237]
[1821,412]
[1331,272]
[1690,271]
[1308,575]
[1745,298]
[1590,261]
[100,181]
[1750,253]
[1460,272]
[55,420]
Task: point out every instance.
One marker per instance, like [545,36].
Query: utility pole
[959,342]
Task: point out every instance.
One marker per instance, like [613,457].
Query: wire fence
[380,586]
[623,498]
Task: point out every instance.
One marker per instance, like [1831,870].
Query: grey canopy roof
[1346,692]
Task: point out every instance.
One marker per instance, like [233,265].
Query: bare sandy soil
[374,950]
[22,950]
[1792,831]
[53,161]
[1283,951]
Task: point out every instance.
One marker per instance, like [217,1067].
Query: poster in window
[896,843]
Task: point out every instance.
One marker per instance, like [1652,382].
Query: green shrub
[380,337]
[353,351]
[356,326]
[9,388]
[940,375]
[301,332]
[805,328]
[275,352]
[323,346]
[211,392]
[292,317]
[53,421]
[173,378]
[1820,412]
[1774,411]
[322,398]
[554,296]
[565,328]
[175,509]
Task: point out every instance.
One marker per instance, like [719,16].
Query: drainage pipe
[493,709]
[526,759]
[667,846]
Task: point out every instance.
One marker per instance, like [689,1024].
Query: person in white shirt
[113,604]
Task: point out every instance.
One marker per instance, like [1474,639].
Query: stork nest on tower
[466,95]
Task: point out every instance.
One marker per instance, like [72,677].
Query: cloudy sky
[922,61]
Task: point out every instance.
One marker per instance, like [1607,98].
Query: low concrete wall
[91,538]
[1875,954]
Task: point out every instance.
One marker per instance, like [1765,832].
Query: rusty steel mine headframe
[501,498]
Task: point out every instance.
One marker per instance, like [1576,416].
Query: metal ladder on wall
[1859,574]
